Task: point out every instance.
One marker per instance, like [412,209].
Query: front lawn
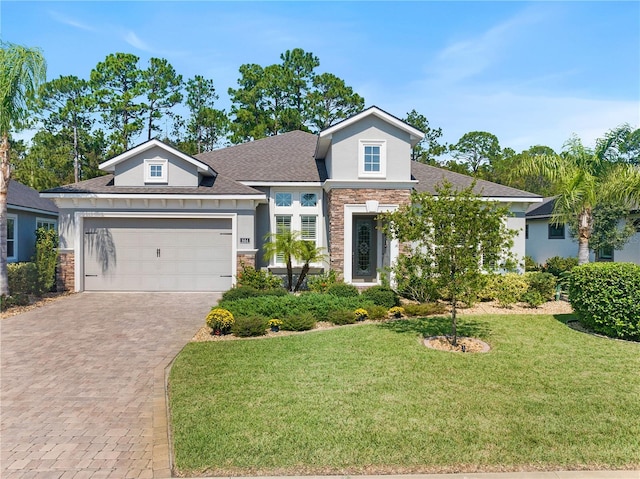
[372,399]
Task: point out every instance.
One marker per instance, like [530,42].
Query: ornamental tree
[454,237]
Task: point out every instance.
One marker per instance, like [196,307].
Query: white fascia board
[413,132]
[152,197]
[109,165]
[375,184]
[32,210]
[282,183]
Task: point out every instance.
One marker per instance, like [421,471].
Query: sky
[531,73]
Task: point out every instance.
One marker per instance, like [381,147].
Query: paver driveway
[82,382]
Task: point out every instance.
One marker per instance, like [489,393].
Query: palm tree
[309,253]
[285,244]
[22,71]
[583,179]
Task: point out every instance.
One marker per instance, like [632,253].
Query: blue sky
[529,72]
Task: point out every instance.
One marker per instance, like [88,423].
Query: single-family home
[545,239]
[26,212]
[161,220]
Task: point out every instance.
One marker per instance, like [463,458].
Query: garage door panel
[133,254]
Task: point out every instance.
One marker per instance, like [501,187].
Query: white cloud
[132,39]
[66,20]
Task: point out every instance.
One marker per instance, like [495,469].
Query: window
[283,225]
[45,223]
[308,228]
[284,199]
[605,254]
[526,232]
[372,158]
[308,199]
[556,231]
[155,171]
[12,250]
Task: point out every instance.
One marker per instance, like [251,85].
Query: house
[544,239]
[26,212]
[162,220]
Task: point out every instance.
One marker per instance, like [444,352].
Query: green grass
[373,399]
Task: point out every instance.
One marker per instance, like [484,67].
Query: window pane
[309,199]
[284,199]
[371,158]
[156,171]
[556,231]
[283,225]
[10,228]
[308,227]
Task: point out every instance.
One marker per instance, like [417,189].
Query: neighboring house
[165,221]
[26,212]
[546,239]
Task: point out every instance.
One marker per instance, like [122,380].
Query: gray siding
[26,240]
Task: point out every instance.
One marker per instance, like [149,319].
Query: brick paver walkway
[82,384]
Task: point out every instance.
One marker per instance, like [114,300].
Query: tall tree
[22,71]
[162,87]
[506,170]
[476,149]
[620,145]
[248,108]
[429,148]
[117,85]
[330,101]
[66,103]
[300,66]
[583,180]
[455,236]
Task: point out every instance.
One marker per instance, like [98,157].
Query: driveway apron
[82,384]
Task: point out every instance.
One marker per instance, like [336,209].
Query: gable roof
[324,138]
[430,176]
[542,210]
[103,185]
[23,197]
[110,165]
[288,157]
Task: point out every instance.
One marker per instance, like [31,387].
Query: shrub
[343,290]
[530,264]
[542,283]
[509,288]
[320,283]
[299,322]
[249,326]
[424,309]
[382,296]
[378,312]
[18,299]
[241,292]
[23,278]
[46,258]
[258,279]
[533,298]
[361,314]
[220,320]
[340,317]
[558,265]
[396,312]
[414,280]
[606,298]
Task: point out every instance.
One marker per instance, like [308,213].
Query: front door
[364,250]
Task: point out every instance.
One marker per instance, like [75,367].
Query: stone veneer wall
[65,273]
[338,198]
[248,259]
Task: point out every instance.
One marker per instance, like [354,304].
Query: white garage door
[157,254]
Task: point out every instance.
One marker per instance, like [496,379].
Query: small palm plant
[308,252]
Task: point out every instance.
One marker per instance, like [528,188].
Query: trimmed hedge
[382,296]
[241,292]
[606,298]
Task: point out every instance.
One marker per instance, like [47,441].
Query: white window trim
[13,258]
[383,159]
[153,162]
[48,221]
[315,233]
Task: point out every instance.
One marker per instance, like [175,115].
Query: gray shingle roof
[286,157]
[430,176]
[219,185]
[22,196]
[542,210]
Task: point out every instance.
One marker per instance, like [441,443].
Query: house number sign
[244,240]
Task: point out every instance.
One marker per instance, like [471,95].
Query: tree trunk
[303,274]
[454,321]
[76,160]
[289,275]
[585,222]
[5,175]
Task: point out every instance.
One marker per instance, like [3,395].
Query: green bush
[558,265]
[249,326]
[530,264]
[241,292]
[424,309]
[258,279]
[320,283]
[382,296]
[378,312]
[414,279]
[299,322]
[46,258]
[18,299]
[507,288]
[606,298]
[542,283]
[340,317]
[343,290]
[533,298]
[23,279]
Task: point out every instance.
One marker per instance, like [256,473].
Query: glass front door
[364,252]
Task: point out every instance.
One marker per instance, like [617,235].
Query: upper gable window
[155,171]
[373,158]
[284,199]
[308,199]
